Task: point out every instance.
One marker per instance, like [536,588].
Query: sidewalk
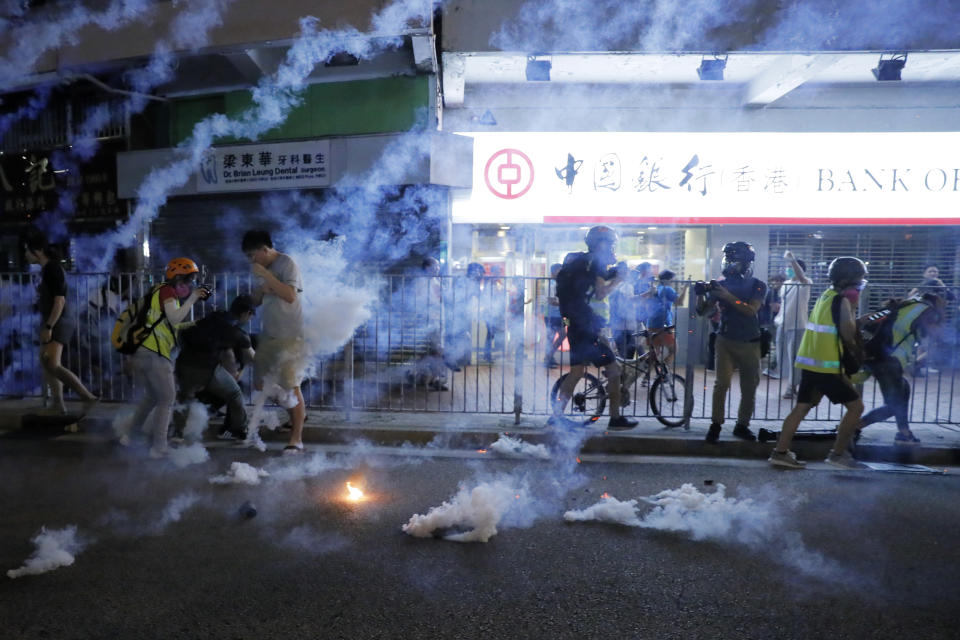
[940,444]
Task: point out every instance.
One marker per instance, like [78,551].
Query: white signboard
[713,178]
[261,167]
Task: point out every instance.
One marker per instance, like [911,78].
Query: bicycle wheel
[666,399]
[588,401]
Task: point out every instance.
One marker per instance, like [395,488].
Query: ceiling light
[712,68]
[538,70]
[889,69]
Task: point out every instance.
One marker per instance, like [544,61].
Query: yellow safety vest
[820,347]
[903,327]
[162,339]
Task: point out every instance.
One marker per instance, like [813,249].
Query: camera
[702,288]
[205,290]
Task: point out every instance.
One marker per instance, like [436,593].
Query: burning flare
[354,494]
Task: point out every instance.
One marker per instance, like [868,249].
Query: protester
[57,323]
[830,338]
[888,352]
[586,276]
[624,309]
[281,353]
[739,296]
[769,310]
[493,310]
[199,369]
[556,330]
[792,320]
[661,315]
[151,362]
[428,305]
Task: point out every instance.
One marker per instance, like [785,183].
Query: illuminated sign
[261,167]
[713,178]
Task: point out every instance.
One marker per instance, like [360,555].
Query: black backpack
[573,285]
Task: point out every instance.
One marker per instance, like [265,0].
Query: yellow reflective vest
[162,339]
[903,327]
[820,346]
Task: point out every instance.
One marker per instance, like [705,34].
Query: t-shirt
[733,324]
[575,285]
[766,314]
[202,343]
[53,283]
[282,319]
[661,307]
[794,309]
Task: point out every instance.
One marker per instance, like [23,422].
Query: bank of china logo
[508,174]
[208,167]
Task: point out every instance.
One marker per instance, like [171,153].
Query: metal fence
[442,344]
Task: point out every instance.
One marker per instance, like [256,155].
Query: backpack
[877,329]
[572,287]
[130,329]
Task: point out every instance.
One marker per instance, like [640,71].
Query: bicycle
[590,397]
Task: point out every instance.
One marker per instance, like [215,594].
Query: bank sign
[713,178]
[262,167]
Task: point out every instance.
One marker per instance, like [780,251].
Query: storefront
[676,198]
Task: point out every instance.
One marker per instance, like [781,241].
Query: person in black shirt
[57,323]
[583,278]
[199,369]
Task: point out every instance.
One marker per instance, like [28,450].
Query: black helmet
[599,234]
[738,259]
[845,271]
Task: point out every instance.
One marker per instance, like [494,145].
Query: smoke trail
[36,37]
[473,515]
[174,511]
[55,548]
[240,473]
[273,98]
[194,453]
[197,420]
[755,524]
[29,111]
[514,448]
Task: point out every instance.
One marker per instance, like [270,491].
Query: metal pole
[688,370]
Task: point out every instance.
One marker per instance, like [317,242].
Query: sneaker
[292,449]
[621,423]
[227,435]
[550,363]
[773,375]
[785,459]
[845,461]
[788,394]
[743,432]
[713,433]
[177,438]
[907,439]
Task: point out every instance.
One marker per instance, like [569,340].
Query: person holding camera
[829,341]
[663,298]
[199,371]
[739,296]
[583,278]
[152,362]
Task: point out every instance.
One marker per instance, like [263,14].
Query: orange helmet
[181,267]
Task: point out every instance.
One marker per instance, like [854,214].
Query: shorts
[586,347]
[283,361]
[815,384]
[664,339]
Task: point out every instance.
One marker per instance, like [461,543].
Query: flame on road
[353,493]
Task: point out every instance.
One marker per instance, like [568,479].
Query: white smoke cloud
[472,515]
[240,473]
[197,420]
[754,524]
[187,455]
[174,511]
[306,538]
[55,548]
[516,448]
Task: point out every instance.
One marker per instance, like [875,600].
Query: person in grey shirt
[281,354]
[739,296]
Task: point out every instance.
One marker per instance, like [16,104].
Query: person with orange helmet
[170,304]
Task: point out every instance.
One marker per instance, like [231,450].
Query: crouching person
[199,369]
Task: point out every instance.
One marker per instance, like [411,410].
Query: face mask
[182,289]
[790,272]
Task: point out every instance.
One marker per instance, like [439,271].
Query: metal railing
[441,344]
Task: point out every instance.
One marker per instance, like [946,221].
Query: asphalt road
[785,555]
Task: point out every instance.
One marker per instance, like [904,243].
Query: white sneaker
[773,375]
[785,459]
[157,454]
[845,461]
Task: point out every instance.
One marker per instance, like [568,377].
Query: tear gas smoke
[473,515]
[240,473]
[516,448]
[185,456]
[305,538]
[55,548]
[197,420]
[756,524]
[174,511]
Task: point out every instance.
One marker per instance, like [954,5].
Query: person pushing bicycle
[585,277]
